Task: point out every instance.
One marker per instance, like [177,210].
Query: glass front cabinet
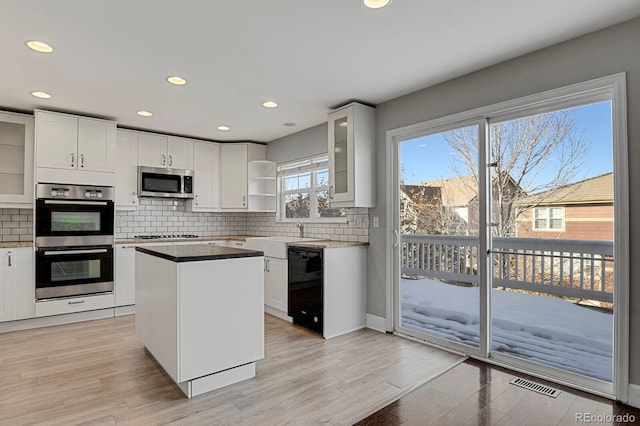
[16,160]
[352,156]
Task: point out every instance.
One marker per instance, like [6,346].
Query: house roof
[457,191]
[594,190]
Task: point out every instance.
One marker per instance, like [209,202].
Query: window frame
[547,218]
[313,165]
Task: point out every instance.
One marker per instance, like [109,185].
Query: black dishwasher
[305,287]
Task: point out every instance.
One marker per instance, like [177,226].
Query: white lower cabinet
[125,274]
[17,285]
[344,290]
[275,283]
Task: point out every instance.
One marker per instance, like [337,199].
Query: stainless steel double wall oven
[74,240]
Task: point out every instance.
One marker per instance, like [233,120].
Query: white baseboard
[124,310]
[55,320]
[277,313]
[634,395]
[377,323]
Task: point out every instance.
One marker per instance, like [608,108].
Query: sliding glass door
[505,232]
[438,194]
[552,222]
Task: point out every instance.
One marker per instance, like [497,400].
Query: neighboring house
[437,207]
[581,211]
[456,196]
[459,204]
[420,209]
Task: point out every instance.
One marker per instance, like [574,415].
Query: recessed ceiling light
[269,104]
[41,95]
[145,113]
[39,46]
[224,128]
[178,81]
[289,124]
[375,4]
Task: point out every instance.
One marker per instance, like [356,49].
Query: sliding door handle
[396,238]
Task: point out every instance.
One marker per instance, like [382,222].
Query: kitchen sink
[274,246]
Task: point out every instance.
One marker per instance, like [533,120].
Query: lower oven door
[73,271]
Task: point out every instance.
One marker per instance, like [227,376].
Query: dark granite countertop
[197,252]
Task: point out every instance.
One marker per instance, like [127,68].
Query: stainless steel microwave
[167,183]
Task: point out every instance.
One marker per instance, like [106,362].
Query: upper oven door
[73,223]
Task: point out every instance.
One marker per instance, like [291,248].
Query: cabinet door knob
[73,160]
[164,160]
[170,160]
[82,161]
[197,199]
[244,200]
[9,258]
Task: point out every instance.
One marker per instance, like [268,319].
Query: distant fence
[570,268]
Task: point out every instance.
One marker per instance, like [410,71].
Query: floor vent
[536,387]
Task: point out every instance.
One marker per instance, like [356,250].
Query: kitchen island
[199,313]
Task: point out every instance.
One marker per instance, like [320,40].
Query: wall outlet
[376,222]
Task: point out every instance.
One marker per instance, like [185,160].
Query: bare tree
[531,155]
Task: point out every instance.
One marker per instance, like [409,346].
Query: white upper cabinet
[352,156]
[156,150]
[234,163]
[96,145]
[16,160]
[206,183]
[70,142]
[262,186]
[57,137]
[180,153]
[127,170]
[152,150]
[233,167]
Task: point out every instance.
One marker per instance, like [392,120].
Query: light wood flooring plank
[98,372]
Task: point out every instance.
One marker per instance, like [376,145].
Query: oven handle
[79,203]
[54,252]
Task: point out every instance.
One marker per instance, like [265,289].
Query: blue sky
[428,158]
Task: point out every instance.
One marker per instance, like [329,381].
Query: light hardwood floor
[98,372]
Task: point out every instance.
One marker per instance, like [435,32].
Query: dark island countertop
[197,252]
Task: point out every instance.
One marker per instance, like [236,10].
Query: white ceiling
[112,57]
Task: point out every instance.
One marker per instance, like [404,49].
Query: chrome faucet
[300,226]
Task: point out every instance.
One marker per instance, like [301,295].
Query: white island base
[199,313]
[219,380]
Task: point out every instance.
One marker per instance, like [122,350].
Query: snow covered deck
[545,330]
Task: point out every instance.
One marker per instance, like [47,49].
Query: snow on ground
[541,329]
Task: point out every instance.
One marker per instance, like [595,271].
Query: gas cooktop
[156,237]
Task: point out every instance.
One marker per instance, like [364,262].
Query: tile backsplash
[355,229]
[156,216]
[16,225]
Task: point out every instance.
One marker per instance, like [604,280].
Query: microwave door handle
[77,203]
[56,252]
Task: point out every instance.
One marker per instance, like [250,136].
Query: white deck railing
[571,268]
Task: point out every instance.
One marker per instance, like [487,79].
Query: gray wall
[306,143]
[609,51]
